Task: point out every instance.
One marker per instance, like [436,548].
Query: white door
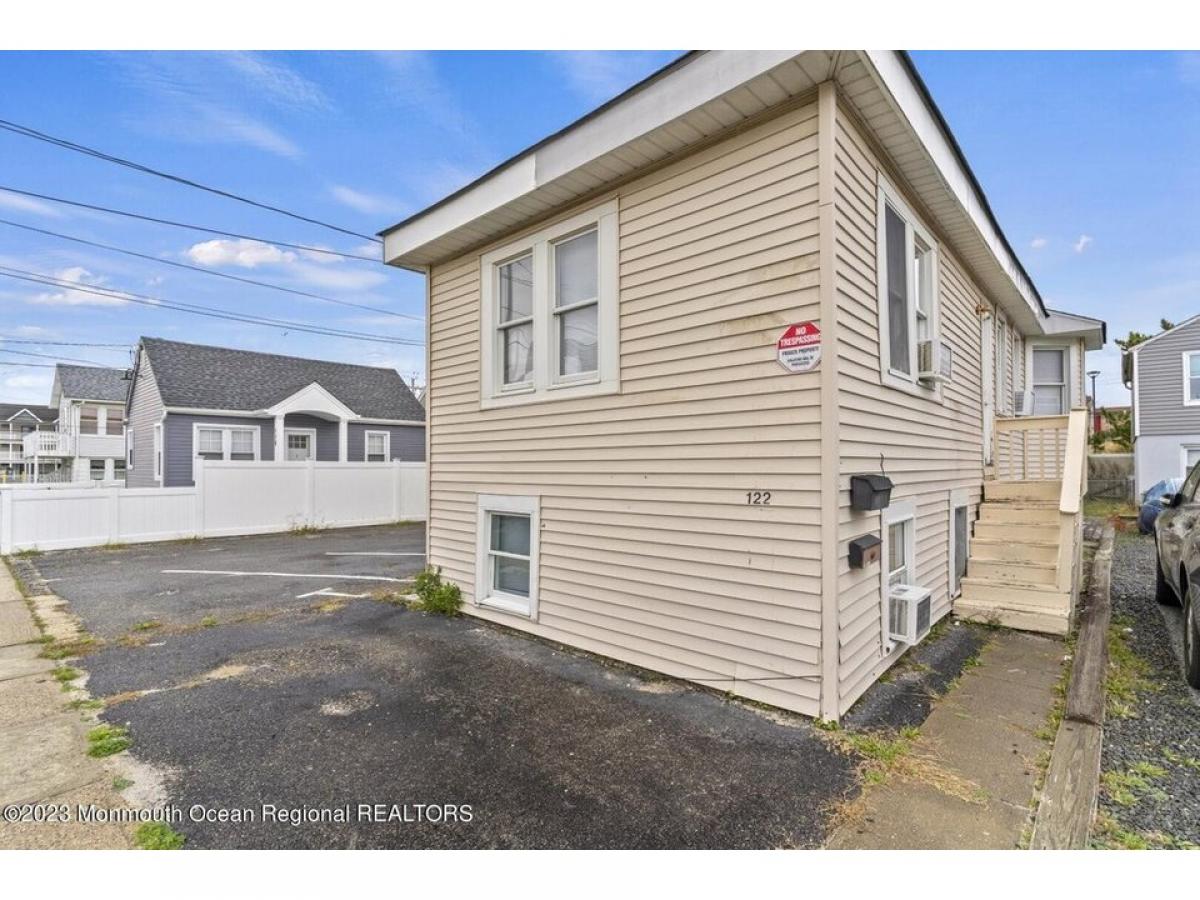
[299,445]
[988,356]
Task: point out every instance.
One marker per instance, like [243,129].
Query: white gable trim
[312,399]
[24,410]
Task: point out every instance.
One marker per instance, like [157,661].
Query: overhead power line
[196,309]
[226,275]
[203,228]
[65,144]
[4,362]
[9,340]
[73,359]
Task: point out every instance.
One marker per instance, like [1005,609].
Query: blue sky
[1088,159]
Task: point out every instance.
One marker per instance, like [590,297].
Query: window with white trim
[158,452]
[1191,378]
[128,448]
[899,554]
[377,446]
[1049,381]
[549,307]
[907,272]
[507,557]
[226,442]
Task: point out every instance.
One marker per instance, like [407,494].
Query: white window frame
[958,500]
[545,384]
[1068,383]
[387,444]
[1187,378]
[900,511]
[128,449]
[226,441]
[1184,449]
[158,452]
[914,230]
[310,433]
[485,596]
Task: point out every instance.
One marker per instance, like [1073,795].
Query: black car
[1177,539]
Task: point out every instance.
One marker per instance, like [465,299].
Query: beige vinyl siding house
[617,459]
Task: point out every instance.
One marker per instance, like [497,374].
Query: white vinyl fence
[229,498]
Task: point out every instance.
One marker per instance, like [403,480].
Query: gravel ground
[1159,746]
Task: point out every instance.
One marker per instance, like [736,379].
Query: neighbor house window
[158,452]
[129,448]
[907,271]
[550,312]
[378,446]
[506,575]
[1191,378]
[96,469]
[1049,381]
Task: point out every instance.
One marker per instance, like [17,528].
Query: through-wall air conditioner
[1022,403]
[909,613]
[935,361]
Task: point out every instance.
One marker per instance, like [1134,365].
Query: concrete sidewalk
[973,772]
[43,756]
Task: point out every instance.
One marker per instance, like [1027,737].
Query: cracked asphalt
[322,701]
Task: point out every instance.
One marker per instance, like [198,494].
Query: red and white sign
[799,348]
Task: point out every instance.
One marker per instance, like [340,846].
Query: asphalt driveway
[249,673]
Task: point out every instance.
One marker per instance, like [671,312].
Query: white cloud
[360,201]
[70,297]
[1038,243]
[224,125]
[599,75]
[32,331]
[28,205]
[241,253]
[358,278]
[26,387]
[1083,242]
[276,81]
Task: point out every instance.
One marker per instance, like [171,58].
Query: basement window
[549,307]
[507,554]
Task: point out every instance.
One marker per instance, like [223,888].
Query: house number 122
[758,498]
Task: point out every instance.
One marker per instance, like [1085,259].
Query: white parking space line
[327,576]
[368,553]
[328,592]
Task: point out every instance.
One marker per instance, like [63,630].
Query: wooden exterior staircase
[1025,560]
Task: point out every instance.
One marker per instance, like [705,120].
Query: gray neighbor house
[1163,374]
[190,401]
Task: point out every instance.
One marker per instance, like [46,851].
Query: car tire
[1163,592]
[1191,643]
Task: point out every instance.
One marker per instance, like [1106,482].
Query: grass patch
[27,554]
[157,836]
[1108,834]
[64,649]
[304,530]
[114,545]
[105,740]
[121,782]
[149,625]
[81,704]
[208,622]
[1096,508]
[443,598]
[1127,673]
[1128,787]
[64,675]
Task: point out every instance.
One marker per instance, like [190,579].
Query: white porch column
[280,444]
[343,440]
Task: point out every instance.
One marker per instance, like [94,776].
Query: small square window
[377,446]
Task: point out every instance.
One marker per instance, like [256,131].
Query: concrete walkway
[972,774]
[43,755]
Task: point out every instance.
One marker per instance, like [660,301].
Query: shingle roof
[196,376]
[45,413]
[92,383]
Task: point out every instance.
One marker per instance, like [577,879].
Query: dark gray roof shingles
[196,376]
[92,383]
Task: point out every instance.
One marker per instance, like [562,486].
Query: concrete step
[1023,551]
[1022,619]
[989,592]
[1017,513]
[1022,490]
[1008,572]
[1017,532]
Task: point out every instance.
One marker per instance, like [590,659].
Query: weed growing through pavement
[149,625]
[105,740]
[208,622]
[121,782]
[64,675]
[1126,676]
[157,836]
[437,596]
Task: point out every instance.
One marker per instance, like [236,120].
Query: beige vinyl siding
[929,446]
[649,550]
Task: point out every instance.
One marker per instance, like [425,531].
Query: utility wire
[182,265]
[9,340]
[51,356]
[4,363]
[144,218]
[196,309]
[26,131]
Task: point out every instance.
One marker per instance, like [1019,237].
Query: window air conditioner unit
[1023,403]
[935,360]
[910,610]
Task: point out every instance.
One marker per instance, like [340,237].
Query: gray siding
[177,443]
[327,434]
[407,441]
[1158,394]
[145,410]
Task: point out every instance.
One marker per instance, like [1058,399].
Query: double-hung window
[1049,381]
[1191,379]
[377,446]
[226,442]
[507,554]
[549,313]
[907,273]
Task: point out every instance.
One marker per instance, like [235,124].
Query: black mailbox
[864,550]
[870,492]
